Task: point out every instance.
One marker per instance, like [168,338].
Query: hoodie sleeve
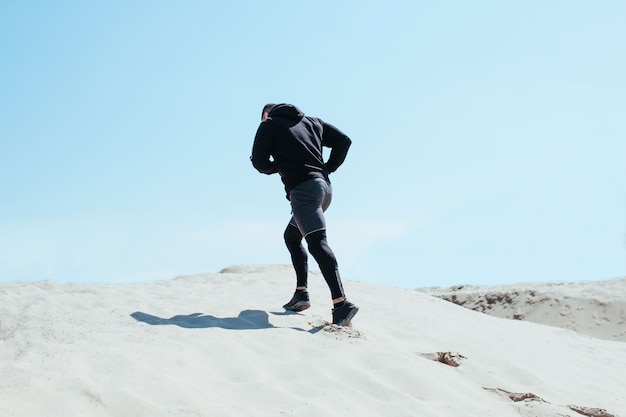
[262,150]
[338,142]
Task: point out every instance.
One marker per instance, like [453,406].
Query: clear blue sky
[489,137]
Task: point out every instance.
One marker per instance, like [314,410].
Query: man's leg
[325,258]
[343,310]
[293,240]
[309,202]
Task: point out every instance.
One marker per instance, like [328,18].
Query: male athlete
[289,143]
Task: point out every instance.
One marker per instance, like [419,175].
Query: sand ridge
[220,345]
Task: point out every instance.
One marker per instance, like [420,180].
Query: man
[289,143]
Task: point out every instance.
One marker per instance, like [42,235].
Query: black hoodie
[294,142]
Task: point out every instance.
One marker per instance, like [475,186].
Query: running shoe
[299,301]
[342,316]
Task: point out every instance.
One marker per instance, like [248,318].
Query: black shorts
[309,201]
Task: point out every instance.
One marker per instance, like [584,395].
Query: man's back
[295,142]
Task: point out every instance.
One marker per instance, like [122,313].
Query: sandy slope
[595,308]
[219,345]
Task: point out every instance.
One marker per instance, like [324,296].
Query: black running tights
[321,252]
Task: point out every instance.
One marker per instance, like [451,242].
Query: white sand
[220,345]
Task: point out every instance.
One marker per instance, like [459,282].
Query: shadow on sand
[246,320]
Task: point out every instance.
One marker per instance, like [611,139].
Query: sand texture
[220,345]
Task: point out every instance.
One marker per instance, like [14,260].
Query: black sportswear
[290,143]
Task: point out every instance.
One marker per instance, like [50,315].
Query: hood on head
[286,111]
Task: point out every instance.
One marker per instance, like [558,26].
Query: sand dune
[596,308]
[220,345]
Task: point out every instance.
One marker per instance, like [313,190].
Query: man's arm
[339,144]
[262,151]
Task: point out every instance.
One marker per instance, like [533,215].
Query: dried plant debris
[590,412]
[450,358]
[528,397]
[447,358]
[517,396]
